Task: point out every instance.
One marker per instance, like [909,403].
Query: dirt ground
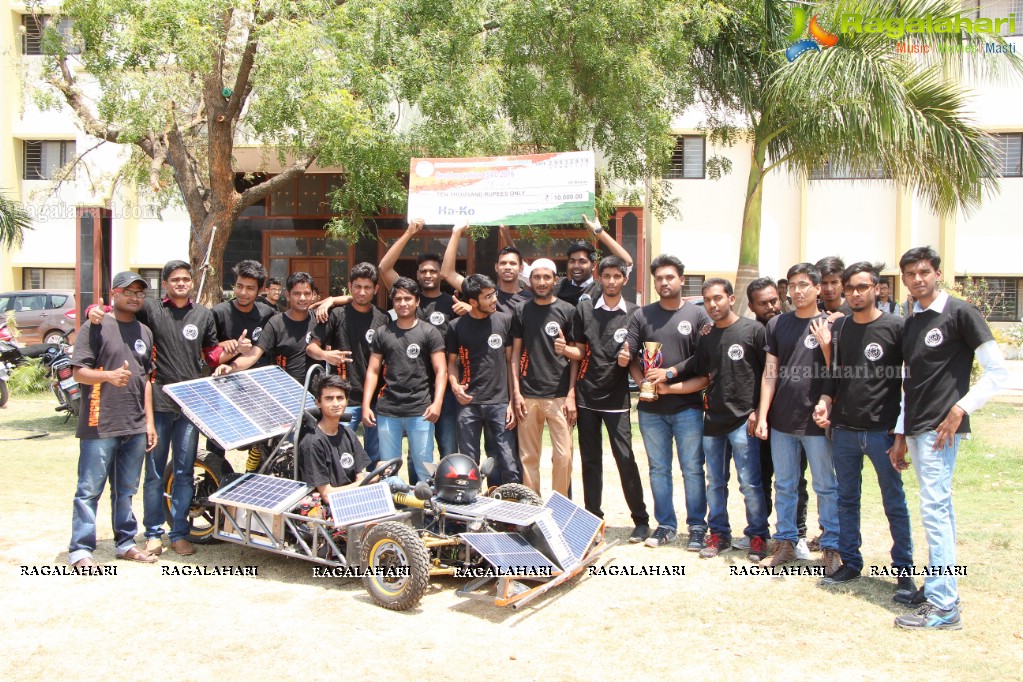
[284,623]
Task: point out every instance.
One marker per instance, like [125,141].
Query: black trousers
[767,476]
[591,452]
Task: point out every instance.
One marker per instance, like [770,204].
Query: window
[840,171]
[1002,295]
[43,158]
[152,277]
[1009,149]
[34,39]
[26,303]
[48,278]
[693,285]
[687,159]
[996,9]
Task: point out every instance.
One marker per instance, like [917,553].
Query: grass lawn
[706,624]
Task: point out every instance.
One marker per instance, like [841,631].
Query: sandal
[136,554]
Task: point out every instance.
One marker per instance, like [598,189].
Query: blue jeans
[174,432]
[934,473]
[420,442]
[446,428]
[785,454]
[472,420]
[119,459]
[746,454]
[686,427]
[849,448]
[370,441]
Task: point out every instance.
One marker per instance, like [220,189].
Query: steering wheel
[387,468]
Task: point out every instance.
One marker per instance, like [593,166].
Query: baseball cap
[122,280]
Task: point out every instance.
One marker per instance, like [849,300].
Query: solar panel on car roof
[262,493]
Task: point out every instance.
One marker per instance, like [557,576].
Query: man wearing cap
[112,361]
[545,347]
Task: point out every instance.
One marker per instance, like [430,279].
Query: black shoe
[844,574]
[640,533]
[662,536]
[696,542]
[914,598]
[905,587]
[930,617]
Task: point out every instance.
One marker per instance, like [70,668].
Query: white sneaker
[741,542]
[802,551]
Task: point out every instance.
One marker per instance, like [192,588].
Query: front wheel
[395,566]
[208,475]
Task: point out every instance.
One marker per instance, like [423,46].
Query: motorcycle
[56,357]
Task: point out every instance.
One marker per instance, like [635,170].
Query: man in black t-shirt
[184,341]
[677,411]
[331,458]
[732,354]
[797,346]
[579,285]
[939,343]
[863,395]
[831,302]
[345,338]
[408,356]
[112,361]
[241,320]
[479,363]
[543,388]
[602,394]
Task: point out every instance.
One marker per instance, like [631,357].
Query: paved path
[1013,388]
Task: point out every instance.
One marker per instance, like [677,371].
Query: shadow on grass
[52,424]
[875,590]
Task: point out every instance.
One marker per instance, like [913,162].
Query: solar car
[508,544]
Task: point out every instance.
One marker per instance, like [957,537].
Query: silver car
[41,315]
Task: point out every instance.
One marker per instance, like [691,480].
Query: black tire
[5,393]
[393,545]
[74,405]
[516,492]
[54,336]
[209,472]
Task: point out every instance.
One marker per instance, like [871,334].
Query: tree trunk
[212,290]
[749,241]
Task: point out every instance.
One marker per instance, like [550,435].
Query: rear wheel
[54,336]
[208,475]
[395,565]
[516,492]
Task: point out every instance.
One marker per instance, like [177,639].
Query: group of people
[840,377]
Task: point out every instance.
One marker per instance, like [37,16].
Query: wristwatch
[598,229]
[670,373]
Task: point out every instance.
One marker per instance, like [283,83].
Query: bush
[30,377]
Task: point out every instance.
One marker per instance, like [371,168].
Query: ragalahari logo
[819,38]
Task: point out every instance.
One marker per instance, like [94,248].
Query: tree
[14,220]
[366,84]
[860,105]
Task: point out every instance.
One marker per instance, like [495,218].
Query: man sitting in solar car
[331,458]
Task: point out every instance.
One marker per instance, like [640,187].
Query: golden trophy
[652,359]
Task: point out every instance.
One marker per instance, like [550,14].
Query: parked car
[41,315]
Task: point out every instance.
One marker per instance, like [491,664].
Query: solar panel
[578,526]
[361,504]
[243,408]
[262,493]
[509,553]
[474,509]
[513,512]
[555,542]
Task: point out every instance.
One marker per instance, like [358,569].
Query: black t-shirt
[438,311]
[938,348]
[507,303]
[345,325]
[109,411]
[678,331]
[572,294]
[331,460]
[801,374]
[601,383]
[843,308]
[179,337]
[542,372]
[734,359]
[285,341]
[480,346]
[407,374]
[866,373]
[231,322]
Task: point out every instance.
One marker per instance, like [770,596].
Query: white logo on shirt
[584,297]
[369,335]
[873,352]
[934,338]
[256,332]
[347,461]
[495,341]
[685,328]
[308,337]
[437,318]
[736,352]
[620,334]
[552,329]
[811,342]
[140,347]
[412,351]
[190,332]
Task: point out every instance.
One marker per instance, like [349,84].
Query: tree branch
[187,179]
[241,81]
[257,192]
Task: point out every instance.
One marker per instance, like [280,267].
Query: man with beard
[766,301]
[831,300]
[861,402]
[676,412]
[508,268]
[581,258]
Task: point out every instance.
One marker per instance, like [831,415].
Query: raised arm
[388,275]
[606,240]
[447,267]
